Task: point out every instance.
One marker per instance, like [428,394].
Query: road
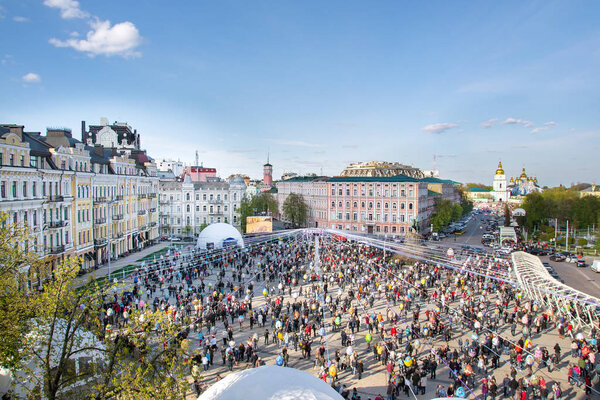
[582,279]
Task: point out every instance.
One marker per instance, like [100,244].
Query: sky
[317,85]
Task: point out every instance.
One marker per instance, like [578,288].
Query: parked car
[557,257]
[595,266]
[175,239]
[580,263]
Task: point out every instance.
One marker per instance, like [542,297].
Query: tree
[506,215]
[265,203]
[457,211]
[295,209]
[187,229]
[245,210]
[43,332]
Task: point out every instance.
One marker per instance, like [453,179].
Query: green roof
[478,190]
[302,179]
[430,179]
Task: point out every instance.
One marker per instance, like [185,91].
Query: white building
[166,165]
[500,188]
[186,206]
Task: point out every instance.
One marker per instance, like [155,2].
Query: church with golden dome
[522,185]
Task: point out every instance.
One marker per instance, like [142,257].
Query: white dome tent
[219,235]
[270,383]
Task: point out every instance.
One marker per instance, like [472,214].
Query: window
[386,193]
[410,193]
[340,191]
[402,206]
[347,192]
[3,189]
[14,189]
[24,189]
[204,209]
[204,197]
[378,205]
[347,204]
[333,204]
[386,205]
[370,205]
[393,206]
[410,206]
[340,204]
[393,229]
[11,161]
[371,192]
[355,205]
[402,193]
[362,204]
[347,216]
[33,161]
[354,217]
[370,217]
[339,216]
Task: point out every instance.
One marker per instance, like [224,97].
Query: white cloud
[20,19]
[439,128]
[68,8]
[117,40]
[551,123]
[31,78]
[539,129]
[517,121]
[489,123]
[2,12]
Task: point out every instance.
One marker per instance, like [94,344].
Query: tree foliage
[46,329]
[265,202]
[562,204]
[295,209]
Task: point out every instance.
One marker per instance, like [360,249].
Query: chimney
[16,129]
[83,131]
[103,121]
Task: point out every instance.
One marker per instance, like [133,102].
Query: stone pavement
[374,381]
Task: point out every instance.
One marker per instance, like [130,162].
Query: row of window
[394,218]
[378,228]
[364,190]
[378,204]
[47,187]
[211,197]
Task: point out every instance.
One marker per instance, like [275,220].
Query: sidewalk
[132,259]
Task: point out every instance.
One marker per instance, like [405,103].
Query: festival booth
[270,383]
[218,236]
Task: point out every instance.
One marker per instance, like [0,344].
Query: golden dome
[499,171]
[523,175]
[535,179]
[512,180]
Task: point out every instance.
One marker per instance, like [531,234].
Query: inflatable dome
[270,383]
[219,235]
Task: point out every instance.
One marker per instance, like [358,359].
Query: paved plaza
[361,282]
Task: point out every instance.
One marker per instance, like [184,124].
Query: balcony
[142,212]
[57,224]
[99,221]
[100,242]
[152,210]
[142,196]
[152,224]
[142,227]
[119,197]
[55,249]
[215,213]
[151,195]
[117,217]
[56,198]
[100,200]
[216,201]
[164,202]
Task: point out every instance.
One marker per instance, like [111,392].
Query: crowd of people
[349,309]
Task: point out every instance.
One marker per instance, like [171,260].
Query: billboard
[259,224]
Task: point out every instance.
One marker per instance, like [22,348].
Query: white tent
[217,236]
[270,383]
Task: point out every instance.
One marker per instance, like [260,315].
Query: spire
[196,157]
[499,170]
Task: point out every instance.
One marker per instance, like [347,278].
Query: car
[175,239]
[557,257]
[580,263]
[595,266]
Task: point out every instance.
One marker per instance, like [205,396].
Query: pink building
[199,174]
[380,205]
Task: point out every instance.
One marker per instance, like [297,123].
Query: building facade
[500,191]
[62,189]
[376,203]
[186,206]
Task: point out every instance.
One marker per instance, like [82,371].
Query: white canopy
[270,383]
[217,236]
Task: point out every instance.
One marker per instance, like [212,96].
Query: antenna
[196,157]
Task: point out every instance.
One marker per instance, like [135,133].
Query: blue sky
[318,84]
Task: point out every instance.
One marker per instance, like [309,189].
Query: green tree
[245,210]
[265,203]
[457,211]
[295,209]
[506,215]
